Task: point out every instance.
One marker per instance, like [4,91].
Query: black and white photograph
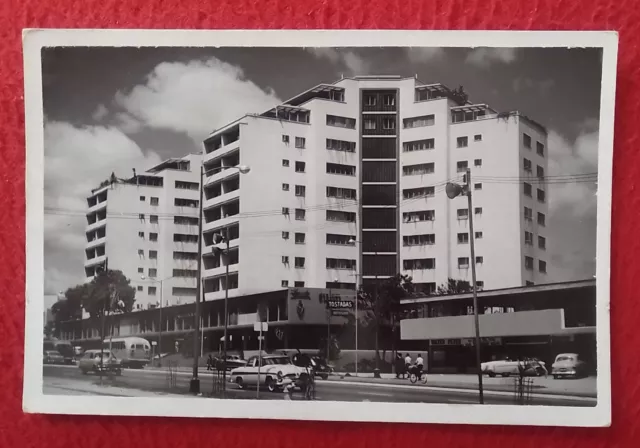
[368,226]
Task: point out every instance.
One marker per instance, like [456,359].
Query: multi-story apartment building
[347,185]
[147,227]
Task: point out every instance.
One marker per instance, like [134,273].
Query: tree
[109,291]
[381,302]
[453,286]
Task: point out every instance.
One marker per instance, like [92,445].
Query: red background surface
[17,428]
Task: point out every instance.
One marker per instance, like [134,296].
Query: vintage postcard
[348,225]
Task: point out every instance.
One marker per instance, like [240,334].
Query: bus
[132,352]
[63,347]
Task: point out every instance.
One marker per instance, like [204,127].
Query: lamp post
[194,384]
[352,241]
[161,282]
[335,280]
[454,190]
[218,239]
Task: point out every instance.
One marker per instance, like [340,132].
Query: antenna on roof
[341,75]
[415,76]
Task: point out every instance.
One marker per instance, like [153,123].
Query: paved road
[155,381]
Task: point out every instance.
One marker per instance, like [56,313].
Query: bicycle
[415,375]
[309,390]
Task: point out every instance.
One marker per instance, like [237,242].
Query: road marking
[379,394]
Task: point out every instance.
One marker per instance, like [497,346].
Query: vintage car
[233,362]
[508,366]
[275,371]
[568,365]
[91,362]
[52,357]
[318,364]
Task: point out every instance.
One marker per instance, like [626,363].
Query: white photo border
[34,401]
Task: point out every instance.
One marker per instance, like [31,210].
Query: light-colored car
[276,373]
[52,357]
[568,365]
[508,366]
[91,362]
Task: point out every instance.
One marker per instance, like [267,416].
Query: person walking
[407,363]
[400,367]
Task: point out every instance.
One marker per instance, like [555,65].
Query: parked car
[233,362]
[52,357]
[91,362]
[276,372]
[508,366]
[568,365]
[318,364]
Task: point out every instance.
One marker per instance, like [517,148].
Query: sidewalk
[583,387]
[64,386]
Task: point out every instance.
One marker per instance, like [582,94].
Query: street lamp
[353,242]
[335,280]
[194,384]
[453,191]
[153,279]
[217,240]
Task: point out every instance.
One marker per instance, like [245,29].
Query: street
[157,382]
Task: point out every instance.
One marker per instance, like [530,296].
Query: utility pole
[328,324]
[226,312]
[475,287]
[194,385]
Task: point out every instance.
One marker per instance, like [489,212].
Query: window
[526,140]
[300,142]
[528,238]
[479,260]
[153,237]
[152,290]
[388,123]
[285,210]
[185,255]
[419,240]
[153,219]
[479,284]
[284,283]
[340,263]
[285,235]
[341,145]
[419,264]
[528,263]
[424,192]
[370,100]
[140,288]
[182,238]
[529,283]
[285,259]
[462,142]
[477,162]
[540,148]
[300,190]
[140,270]
[419,145]
[142,198]
[153,272]
[419,169]
[300,214]
[185,220]
[425,215]
[528,214]
[417,122]
[341,122]
[478,235]
[153,254]
[477,138]
[477,186]
[300,238]
[342,193]
[285,187]
[369,124]
[300,166]
[478,210]
[285,162]
[463,238]
[527,165]
[299,262]
[389,100]
[541,219]
[337,168]
[527,189]
[542,242]
[285,139]
[343,240]
[541,195]
[463,262]
[180,202]
[463,213]
[141,235]
[180,185]
[141,216]
[542,266]
[298,284]
[141,253]
[462,166]
[339,216]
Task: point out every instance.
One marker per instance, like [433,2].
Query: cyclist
[419,366]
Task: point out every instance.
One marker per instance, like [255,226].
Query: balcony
[98,206]
[219,271]
[99,241]
[95,260]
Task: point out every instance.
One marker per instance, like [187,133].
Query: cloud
[419,55]
[484,57]
[192,98]
[354,63]
[100,113]
[77,159]
[522,84]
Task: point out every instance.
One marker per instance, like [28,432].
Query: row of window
[178,220]
[528,191]
[331,215]
[528,216]
[463,142]
[178,202]
[334,239]
[528,167]
[527,142]
[285,284]
[300,142]
[178,291]
[387,99]
[529,262]
[153,255]
[421,264]
[528,240]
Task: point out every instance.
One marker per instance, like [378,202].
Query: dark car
[52,357]
[318,364]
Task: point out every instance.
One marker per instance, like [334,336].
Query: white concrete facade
[270,239]
[147,227]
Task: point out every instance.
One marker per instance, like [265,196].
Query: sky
[113,109]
